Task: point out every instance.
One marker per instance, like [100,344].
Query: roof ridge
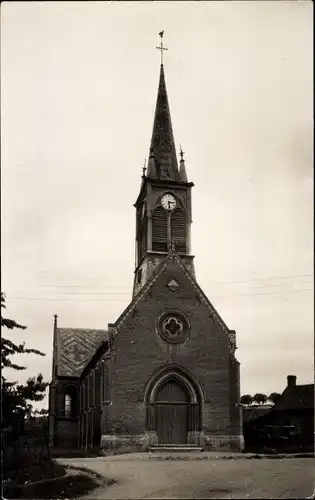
[81,329]
[204,296]
[214,314]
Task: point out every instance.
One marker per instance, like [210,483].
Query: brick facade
[139,352]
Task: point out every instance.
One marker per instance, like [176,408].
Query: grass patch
[52,481]
[86,470]
[70,486]
[75,486]
[30,473]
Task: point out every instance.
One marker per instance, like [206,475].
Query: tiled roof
[299,397]
[75,347]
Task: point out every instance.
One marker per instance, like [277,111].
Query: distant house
[288,423]
[295,407]
[255,417]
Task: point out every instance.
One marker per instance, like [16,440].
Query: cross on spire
[161,48]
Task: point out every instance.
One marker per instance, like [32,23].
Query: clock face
[168,202]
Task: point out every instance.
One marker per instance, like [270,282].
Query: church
[165,372]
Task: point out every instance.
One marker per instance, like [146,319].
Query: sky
[78,90]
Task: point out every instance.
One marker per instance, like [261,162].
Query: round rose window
[173,326]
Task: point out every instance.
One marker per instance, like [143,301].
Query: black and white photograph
[157,248]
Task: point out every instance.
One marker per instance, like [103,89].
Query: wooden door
[172,414]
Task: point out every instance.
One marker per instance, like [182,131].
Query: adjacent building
[288,424]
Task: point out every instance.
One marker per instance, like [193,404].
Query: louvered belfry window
[178,229]
[143,236]
[106,391]
[159,230]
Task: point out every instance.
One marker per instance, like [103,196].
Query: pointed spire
[182,167]
[162,141]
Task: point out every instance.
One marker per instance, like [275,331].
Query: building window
[93,389]
[90,390]
[68,406]
[105,383]
[139,276]
[102,381]
[178,230]
[89,381]
[159,230]
[173,326]
[142,237]
[82,398]
[70,402]
[86,390]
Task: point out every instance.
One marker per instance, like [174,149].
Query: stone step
[174,448]
[164,445]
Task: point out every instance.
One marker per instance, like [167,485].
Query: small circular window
[173,326]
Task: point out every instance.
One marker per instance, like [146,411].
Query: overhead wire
[230,291]
[218,283]
[213,296]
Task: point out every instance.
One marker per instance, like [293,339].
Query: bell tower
[163,206]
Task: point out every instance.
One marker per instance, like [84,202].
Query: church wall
[90,406]
[236,414]
[140,351]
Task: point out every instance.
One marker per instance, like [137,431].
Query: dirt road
[147,476]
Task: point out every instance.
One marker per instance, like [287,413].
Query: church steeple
[162,142]
[163,206]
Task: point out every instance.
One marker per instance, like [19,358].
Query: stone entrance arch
[174,402]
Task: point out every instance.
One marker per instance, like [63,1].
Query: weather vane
[144,167]
[161,48]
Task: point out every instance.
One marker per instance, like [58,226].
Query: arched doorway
[172,413]
[174,402]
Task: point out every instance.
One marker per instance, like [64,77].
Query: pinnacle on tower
[182,167]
